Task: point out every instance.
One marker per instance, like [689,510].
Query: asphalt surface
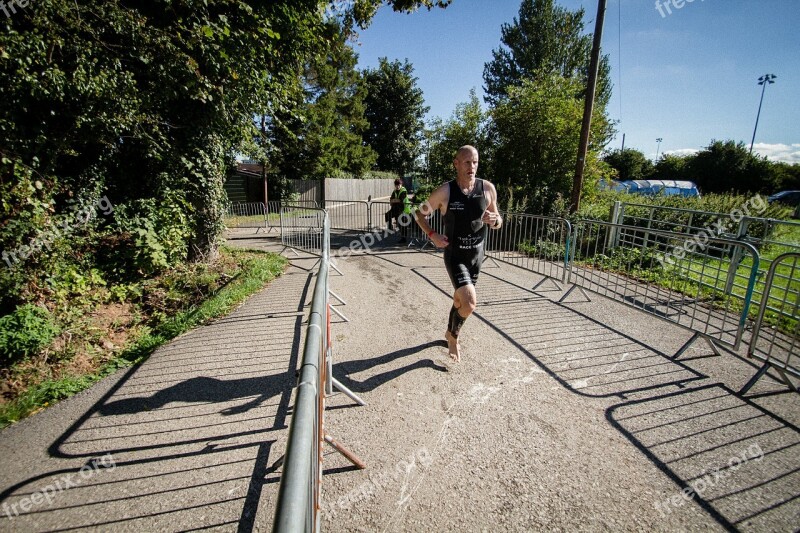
[561,416]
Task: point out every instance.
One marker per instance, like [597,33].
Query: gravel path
[559,417]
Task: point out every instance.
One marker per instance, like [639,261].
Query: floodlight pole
[764,80]
[658,147]
[583,146]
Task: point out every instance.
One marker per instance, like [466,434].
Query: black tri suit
[466,234]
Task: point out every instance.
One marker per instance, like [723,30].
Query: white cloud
[682,152]
[787,153]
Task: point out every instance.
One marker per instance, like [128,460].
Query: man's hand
[490,218]
[439,240]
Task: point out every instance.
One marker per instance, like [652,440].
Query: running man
[468,205]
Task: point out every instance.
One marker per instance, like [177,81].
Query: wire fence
[771,237]
[303,228]
[534,243]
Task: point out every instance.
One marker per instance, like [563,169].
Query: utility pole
[764,80]
[583,146]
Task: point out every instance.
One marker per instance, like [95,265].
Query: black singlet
[466,233]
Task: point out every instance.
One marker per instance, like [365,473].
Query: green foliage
[394,108]
[537,130]
[670,167]
[549,250]
[469,124]
[630,164]
[728,166]
[158,231]
[25,332]
[322,136]
[545,40]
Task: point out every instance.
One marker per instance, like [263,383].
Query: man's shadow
[343,371]
[206,390]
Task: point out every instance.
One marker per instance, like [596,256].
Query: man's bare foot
[453,348]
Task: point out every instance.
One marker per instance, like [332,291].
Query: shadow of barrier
[726,454]
[780,305]
[706,289]
[184,441]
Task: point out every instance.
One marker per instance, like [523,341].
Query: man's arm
[435,201]
[491,216]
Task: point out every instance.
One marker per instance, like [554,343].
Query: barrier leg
[337,297]
[345,452]
[340,314]
[546,279]
[561,300]
[688,343]
[347,392]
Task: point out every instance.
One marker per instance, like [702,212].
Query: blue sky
[688,76]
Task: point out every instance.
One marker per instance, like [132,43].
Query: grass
[236,276]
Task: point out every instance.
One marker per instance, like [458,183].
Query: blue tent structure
[665,187]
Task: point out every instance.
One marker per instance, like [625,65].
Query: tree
[469,124]
[395,110]
[545,40]
[671,167]
[138,100]
[537,128]
[323,135]
[728,166]
[630,164]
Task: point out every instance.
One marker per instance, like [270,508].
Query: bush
[25,332]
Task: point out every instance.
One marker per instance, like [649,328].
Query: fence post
[614,216]
[736,258]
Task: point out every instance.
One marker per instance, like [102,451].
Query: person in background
[400,204]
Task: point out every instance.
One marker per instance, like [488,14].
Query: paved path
[560,417]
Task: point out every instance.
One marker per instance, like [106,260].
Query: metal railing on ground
[538,244]
[776,335]
[299,494]
[706,291]
[770,237]
[246,215]
[302,228]
[348,215]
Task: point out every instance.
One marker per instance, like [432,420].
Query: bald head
[466,150]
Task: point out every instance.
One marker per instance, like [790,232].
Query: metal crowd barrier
[777,345]
[301,480]
[535,243]
[705,290]
[771,237]
[246,215]
[300,492]
[302,228]
[348,215]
